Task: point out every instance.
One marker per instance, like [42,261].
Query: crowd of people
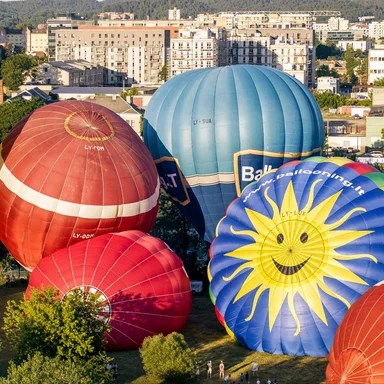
[245,378]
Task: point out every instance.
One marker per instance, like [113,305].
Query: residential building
[281,52]
[363,45]
[336,36]
[328,83]
[52,26]
[116,16]
[36,40]
[375,120]
[83,93]
[174,14]
[194,49]
[375,63]
[73,73]
[129,55]
[12,37]
[376,30]
[31,94]
[338,24]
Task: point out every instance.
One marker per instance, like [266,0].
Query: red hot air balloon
[143,284]
[73,170]
[357,354]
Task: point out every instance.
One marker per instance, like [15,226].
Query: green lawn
[210,342]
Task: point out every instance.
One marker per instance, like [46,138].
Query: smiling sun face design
[293,252]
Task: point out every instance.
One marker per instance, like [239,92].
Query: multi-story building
[376,30]
[36,40]
[73,73]
[12,37]
[328,83]
[363,45]
[129,55]
[375,63]
[194,49]
[281,52]
[52,26]
[338,24]
[339,36]
[174,14]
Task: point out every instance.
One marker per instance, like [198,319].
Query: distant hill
[31,12]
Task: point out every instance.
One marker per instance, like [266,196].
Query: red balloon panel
[142,282]
[72,171]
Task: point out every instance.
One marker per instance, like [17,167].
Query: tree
[350,64]
[163,73]
[15,68]
[45,370]
[174,228]
[362,71]
[69,329]
[379,82]
[168,358]
[324,70]
[11,113]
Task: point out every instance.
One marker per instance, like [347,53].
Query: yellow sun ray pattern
[293,252]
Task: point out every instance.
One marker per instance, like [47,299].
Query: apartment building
[36,40]
[73,73]
[338,24]
[129,55]
[376,30]
[12,37]
[194,49]
[174,14]
[375,63]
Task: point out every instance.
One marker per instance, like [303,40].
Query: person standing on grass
[257,381]
[209,368]
[221,370]
[197,370]
[255,368]
[226,378]
[242,378]
[246,377]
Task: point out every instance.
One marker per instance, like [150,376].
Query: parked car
[357,117]
[196,287]
[376,154]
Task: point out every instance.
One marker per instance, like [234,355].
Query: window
[106,35]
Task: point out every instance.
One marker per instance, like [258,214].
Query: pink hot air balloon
[73,170]
[357,354]
[143,284]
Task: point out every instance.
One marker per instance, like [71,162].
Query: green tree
[174,228]
[69,329]
[168,358]
[15,68]
[163,73]
[362,71]
[44,370]
[324,70]
[11,113]
[379,82]
[350,64]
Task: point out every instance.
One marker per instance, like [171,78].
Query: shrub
[168,358]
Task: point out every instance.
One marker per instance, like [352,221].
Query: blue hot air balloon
[213,131]
[295,251]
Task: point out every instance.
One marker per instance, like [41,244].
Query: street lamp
[124,78]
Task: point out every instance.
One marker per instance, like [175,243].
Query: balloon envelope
[143,284]
[213,131]
[357,354]
[72,170]
[295,251]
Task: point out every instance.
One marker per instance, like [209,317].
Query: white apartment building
[375,63]
[376,30]
[247,47]
[338,24]
[363,45]
[328,83]
[193,49]
[174,14]
[128,55]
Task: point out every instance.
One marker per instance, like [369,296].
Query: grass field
[210,342]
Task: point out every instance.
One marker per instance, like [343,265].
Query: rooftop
[88,90]
[71,65]
[115,104]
